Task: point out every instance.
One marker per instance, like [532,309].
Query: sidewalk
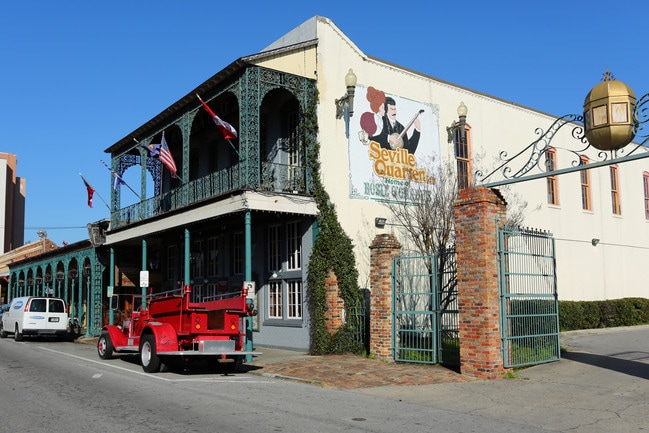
[347,371]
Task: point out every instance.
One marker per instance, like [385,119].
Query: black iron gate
[424,306]
[529,308]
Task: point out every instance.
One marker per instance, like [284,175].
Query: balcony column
[144,269]
[187,257]
[111,283]
[248,265]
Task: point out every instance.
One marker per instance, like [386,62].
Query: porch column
[111,285]
[187,258]
[144,289]
[478,213]
[248,270]
[382,252]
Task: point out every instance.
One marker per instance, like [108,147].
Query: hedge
[603,314]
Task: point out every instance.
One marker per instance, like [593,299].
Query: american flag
[165,156]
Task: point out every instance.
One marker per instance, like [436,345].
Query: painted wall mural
[393,141]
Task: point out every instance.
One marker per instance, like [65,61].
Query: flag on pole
[165,156]
[227,129]
[161,151]
[89,188]
[91,192]
[153,149]
[118,180]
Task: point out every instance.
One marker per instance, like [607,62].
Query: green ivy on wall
[332,250]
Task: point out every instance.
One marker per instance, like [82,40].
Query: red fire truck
[176,325]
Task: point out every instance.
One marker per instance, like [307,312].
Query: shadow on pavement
[626,366]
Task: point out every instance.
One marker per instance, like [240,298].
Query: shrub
[602,314]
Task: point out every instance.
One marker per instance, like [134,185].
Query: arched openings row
[72,278]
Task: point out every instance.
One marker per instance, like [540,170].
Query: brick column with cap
[478,213]
[382,251]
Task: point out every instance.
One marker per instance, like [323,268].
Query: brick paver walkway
[351,372]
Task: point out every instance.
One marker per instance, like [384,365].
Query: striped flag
[165,156]
[227,130]
[118,180]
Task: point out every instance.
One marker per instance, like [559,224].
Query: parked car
[3,308]
[33,315]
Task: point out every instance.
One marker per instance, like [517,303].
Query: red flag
[227,129]
[90,190]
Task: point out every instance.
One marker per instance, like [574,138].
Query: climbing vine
[332,250]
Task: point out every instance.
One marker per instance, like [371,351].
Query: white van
[33,315]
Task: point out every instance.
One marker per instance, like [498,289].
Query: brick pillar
[382,252]
[478,211]
[335,304]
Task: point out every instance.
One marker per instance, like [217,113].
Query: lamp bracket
[517,168]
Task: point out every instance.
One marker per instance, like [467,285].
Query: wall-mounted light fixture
[346,102]
[462,111]
[379,222]
[594,241]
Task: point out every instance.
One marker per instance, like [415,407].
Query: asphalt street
[601,384]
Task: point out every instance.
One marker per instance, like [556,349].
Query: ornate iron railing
[274,177]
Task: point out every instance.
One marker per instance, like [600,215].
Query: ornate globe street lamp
[608,114]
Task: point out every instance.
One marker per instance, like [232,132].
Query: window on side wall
[616,208]
[552,182]
[584,175]
[463,157]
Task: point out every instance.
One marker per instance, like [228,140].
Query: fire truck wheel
[150,359]
[105,346]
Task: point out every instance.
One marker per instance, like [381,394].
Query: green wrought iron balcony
[278,178]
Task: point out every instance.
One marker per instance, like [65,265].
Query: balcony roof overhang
[244,201]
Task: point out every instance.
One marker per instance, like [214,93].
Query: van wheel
[18,336]
[150,359]
[3,333]
[105,346]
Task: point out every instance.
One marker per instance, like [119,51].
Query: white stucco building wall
[611,269]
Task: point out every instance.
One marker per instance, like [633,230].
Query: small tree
[425,215]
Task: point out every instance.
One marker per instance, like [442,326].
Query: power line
[53,228]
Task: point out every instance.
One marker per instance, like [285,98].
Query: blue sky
[77,76]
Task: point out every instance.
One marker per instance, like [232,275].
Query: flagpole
[95,192]
[235,150]
[127,185]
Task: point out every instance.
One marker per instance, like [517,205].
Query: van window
[56,306]
[38,306]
